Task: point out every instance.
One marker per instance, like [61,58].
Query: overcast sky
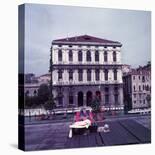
[45,23]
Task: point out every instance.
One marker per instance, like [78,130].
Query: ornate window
[80,56]
[105,56]
[70,55]
[106,75]
[59,55]
[70,74]
[114,56]
[115,74]
[88,55]
[97,74]
[96,55]
[80,74]
[88,75]
[59,74]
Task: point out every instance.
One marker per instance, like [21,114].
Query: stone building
[85,67]
[137,88]
[31,88]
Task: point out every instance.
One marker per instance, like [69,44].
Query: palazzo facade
[85,67]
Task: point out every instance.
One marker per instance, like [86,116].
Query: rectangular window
[106,75]
[59,55]
[139,88]
[80,75]
[143,78]
[70,75]
[134,88]
[88,75]
[115,74]
[97,75]
[59,75]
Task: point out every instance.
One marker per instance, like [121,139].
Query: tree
[43,93]
[95,105]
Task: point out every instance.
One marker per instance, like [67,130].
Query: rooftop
[86,39]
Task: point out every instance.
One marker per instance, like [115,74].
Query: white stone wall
[75,80]
[65,58]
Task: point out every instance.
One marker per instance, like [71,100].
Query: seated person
[83,119]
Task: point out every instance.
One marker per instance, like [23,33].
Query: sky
[44,23]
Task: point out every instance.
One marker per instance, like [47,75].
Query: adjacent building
[32,85]
[84,68]
[137,88]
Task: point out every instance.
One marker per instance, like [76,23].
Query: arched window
[70,55]
[105,56]
[115,74]
[114,56]
[80,56]
[96,56]
[106,75]
[59,55]
[35,92]
[88,56]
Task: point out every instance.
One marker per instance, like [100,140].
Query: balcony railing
[85,82]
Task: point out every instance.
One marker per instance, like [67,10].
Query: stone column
[65,98]
[111,96]
[121,96]
[76,100]
[84,99]
[102,98]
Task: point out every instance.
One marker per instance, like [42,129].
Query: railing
[86,82]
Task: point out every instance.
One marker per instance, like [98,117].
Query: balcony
[71,82]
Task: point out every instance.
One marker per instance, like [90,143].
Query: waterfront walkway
[55,135]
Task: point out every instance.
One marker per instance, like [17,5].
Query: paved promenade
[132,130]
